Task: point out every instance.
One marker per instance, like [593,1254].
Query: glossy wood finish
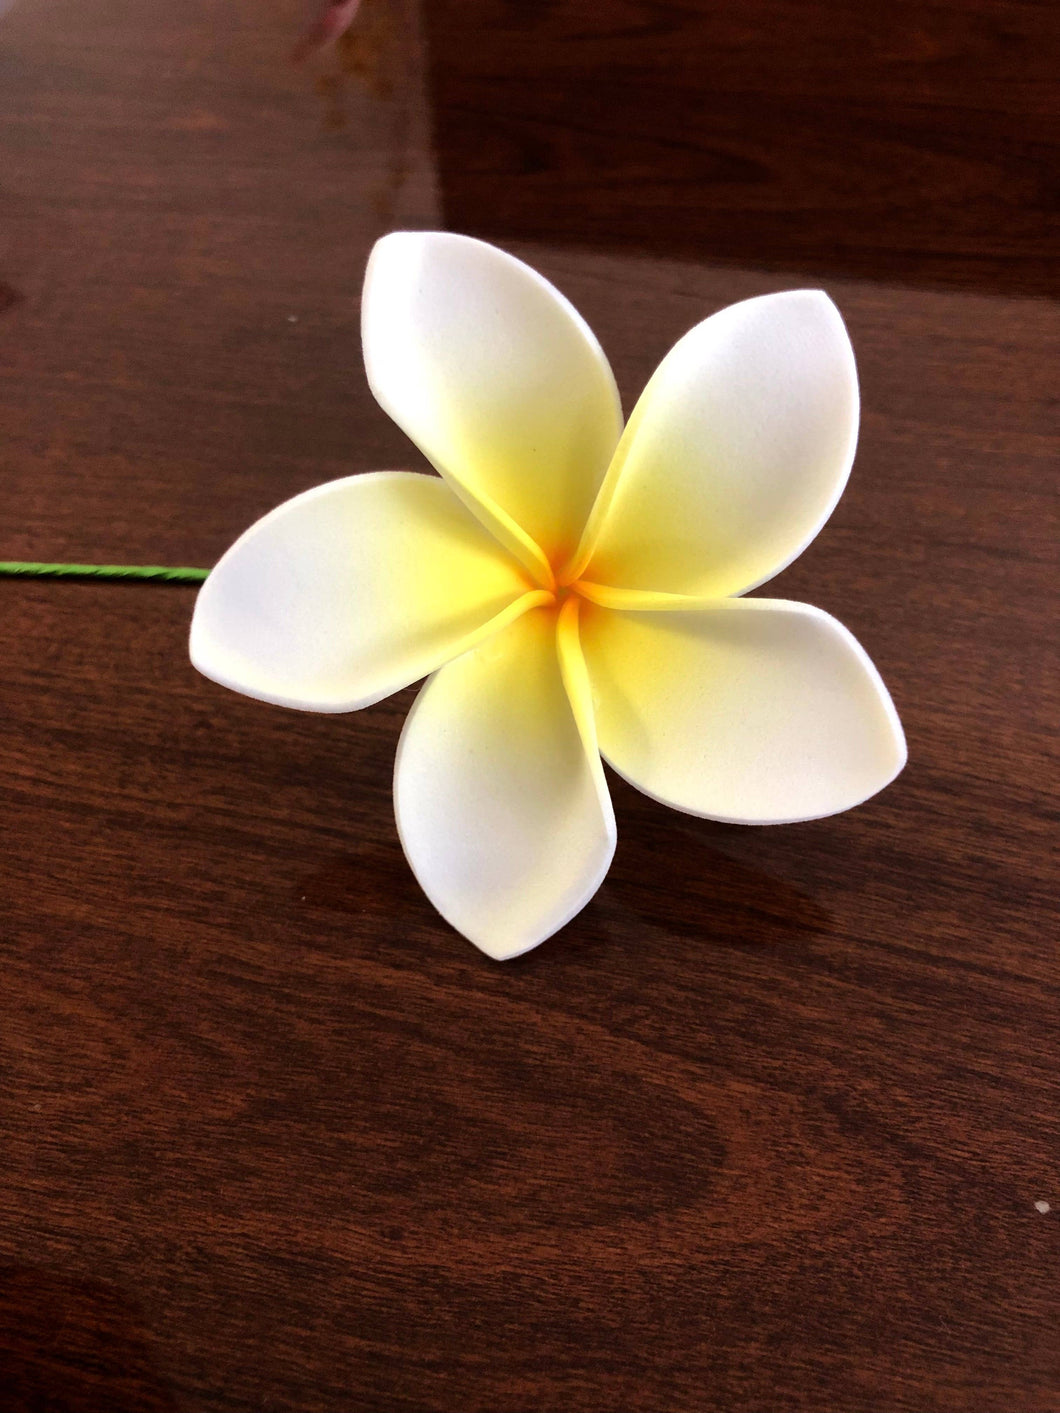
[911,140]
[762,1130]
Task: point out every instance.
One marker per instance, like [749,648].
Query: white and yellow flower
[572,588]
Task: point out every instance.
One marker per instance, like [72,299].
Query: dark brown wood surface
[765,1128]
[911,139]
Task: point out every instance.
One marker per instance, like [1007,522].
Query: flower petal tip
[501,948]
[514,937]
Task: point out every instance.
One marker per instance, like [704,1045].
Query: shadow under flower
[677,876]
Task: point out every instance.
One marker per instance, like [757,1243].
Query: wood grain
[909,140]
[762,1130]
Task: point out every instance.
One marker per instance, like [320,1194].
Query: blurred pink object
[333,20]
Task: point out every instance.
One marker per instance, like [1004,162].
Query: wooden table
[773,1124]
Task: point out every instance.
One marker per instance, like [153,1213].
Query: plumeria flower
[572,588]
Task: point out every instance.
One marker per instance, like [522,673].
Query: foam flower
[572,588]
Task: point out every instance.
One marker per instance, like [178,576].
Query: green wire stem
[159,573]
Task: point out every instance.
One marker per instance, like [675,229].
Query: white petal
[503,813]
[736,454]
[754,711]
[355,589]
[496,378]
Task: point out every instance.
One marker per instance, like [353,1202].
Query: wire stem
[159,573]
